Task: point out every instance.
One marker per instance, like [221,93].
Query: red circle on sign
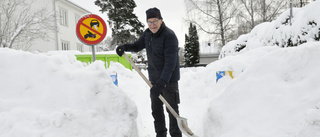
[80,23]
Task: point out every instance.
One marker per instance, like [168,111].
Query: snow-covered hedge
[305,28]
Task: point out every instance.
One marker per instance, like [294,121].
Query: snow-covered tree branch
[21,23]
[213,17]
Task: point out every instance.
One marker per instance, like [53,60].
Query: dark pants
[171,94]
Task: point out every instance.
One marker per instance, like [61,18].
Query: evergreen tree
[192,46]
[187,49]
[124,23]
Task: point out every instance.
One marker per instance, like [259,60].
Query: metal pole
[93,53]
[290,12]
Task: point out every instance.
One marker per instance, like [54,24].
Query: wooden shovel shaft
[174,113]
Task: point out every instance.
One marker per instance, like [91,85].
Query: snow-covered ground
[275,93]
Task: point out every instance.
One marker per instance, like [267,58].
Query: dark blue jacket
[162,52]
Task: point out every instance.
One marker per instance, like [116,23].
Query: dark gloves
[156,89]
[120,50]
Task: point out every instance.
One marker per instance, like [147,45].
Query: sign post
[93,53]
[91,30]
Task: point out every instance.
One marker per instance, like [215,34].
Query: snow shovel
[182,122]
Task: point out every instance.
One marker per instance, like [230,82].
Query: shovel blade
[183,126]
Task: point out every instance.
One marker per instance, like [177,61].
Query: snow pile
[276,95]
[305,28]
[54,95]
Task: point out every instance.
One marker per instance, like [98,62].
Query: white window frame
[63,17]
[65,45]
[80,47]
[77,18]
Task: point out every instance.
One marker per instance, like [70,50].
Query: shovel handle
[137,69]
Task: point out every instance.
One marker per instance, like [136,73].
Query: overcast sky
[172,12]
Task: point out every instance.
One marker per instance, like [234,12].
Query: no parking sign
[91,29]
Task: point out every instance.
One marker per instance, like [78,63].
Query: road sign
[91,29]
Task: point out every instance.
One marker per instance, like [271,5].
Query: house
[67,15]
[208,58]
[209,52]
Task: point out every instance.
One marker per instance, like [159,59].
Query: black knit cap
[153,13]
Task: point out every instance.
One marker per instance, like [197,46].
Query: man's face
[154,24]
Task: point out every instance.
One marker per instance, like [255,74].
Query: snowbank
[305,28]
[277,95]
[55,96]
